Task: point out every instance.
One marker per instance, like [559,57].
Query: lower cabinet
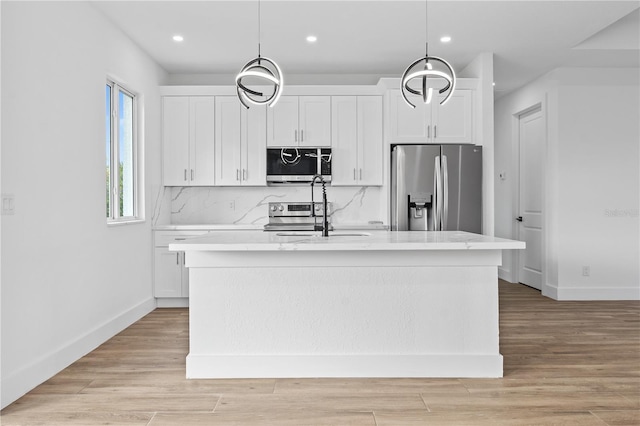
[170,277]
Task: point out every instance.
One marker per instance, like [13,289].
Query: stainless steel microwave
[297,165]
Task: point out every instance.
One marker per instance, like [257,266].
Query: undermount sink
[331,234]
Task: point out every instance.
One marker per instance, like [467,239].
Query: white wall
[69,281]
[591,180]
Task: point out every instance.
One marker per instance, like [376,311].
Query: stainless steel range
[295,216]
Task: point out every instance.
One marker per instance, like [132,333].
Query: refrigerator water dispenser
[420,212]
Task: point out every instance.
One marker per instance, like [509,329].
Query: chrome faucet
[325,223]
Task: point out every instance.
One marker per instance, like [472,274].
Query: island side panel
[344,322]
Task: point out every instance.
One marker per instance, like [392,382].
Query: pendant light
[433,68]
[263,69]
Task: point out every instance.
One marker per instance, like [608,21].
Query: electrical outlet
[8,204]
[586,271]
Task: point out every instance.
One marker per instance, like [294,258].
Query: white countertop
[208,227]
[245,227]
[344,240]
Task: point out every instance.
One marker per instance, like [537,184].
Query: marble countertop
[207,227]
[344,240]
[236,227]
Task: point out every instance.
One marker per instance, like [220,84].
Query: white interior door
[532,141]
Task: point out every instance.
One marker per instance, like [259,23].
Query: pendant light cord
[426,29]
[259,29]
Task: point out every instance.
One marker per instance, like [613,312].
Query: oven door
[291,164]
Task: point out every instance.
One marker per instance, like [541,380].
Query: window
[121,153]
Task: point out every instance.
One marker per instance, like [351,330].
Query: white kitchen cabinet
[300,121]
[240,143]
[357,148]
[432,123]
[170,277]
[188,140]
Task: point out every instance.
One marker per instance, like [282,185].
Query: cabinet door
[370,167]
[453,122]
[175,140]
[282,122]
[168,271]
[315,121]
[184,275]
[228,141]
[344,151]
[202,137]
[408,125]
[254,147]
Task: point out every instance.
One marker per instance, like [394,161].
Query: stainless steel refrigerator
[436,188]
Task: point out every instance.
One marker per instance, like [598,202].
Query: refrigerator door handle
[445,192]
[437,194]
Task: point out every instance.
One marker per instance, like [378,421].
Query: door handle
[519,218]
[445,189]
[437,225]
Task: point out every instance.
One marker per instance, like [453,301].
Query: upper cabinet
[357,146]
[432,123]
[188,140]
[240,143]
[300,121]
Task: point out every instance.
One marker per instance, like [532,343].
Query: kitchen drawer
[164,238]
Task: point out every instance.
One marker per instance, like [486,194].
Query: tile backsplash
[248,205]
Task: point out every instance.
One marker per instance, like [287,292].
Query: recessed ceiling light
[445,39]
[312,39]
[178,37]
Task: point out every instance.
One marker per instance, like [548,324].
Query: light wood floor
[565,363]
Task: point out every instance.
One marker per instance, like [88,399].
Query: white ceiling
[380,38]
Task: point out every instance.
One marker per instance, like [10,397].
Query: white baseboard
[505,274]
[592,293]
[172,302]
[22,381]
[298,366]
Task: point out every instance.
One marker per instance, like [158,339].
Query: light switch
[8,204]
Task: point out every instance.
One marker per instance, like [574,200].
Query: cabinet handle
[301,135]
[295,136]
[237,174]
[360,174]
[191,174]
[244,174]
[185,175]
[178,258]
[428,131]
[354,174]
[435,131]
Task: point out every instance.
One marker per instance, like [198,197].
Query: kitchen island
[371,304]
